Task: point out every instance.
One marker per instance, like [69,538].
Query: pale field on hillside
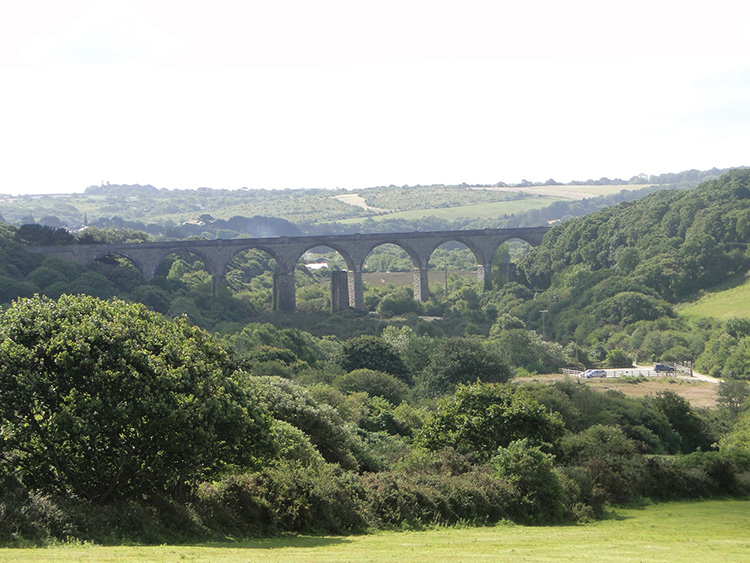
[699,394]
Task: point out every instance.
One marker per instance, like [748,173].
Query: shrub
[372,352]
[320,422]
[285,498]
[422,499]
[538,494]
[609,459]
[374,383]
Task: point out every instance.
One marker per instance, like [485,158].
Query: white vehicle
[589,373]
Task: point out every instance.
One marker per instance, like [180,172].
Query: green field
[479,211]
[684,531]
[732,302]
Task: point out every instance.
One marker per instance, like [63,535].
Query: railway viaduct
[346,287]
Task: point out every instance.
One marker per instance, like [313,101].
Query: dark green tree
[372,352]
[462,360]
[694,431]
[106,400]
[44,235]
[483,417]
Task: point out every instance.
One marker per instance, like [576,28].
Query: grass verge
[715,530]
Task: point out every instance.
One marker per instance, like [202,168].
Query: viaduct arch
[346,287]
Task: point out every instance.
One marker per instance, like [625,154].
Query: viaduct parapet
[217,255]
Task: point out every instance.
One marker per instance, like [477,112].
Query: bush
[321,423]
[374,383]
[538,494]
[609,459]
[425,499]
[372,352]
[286,498]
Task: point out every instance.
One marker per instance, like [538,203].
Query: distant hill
[200,212]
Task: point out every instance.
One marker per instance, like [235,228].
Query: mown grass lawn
[681,531]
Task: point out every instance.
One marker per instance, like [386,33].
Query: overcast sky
[353,94]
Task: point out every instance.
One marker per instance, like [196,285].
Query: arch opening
[452,265]
[505,259]
[390,275]
[251,279]
[322,280]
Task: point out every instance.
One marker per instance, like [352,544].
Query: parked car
[589,373]
[663,367]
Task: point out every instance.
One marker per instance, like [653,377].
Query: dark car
[663,367]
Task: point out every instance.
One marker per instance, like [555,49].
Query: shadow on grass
[284,542]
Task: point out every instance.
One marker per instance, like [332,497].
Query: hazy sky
[351,94]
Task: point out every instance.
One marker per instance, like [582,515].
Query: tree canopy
[105,399]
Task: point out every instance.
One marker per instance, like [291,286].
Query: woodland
[154,411]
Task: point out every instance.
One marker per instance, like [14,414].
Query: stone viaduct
[346,287]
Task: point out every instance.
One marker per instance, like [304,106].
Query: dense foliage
[104,399]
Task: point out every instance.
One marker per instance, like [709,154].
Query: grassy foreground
[685,531]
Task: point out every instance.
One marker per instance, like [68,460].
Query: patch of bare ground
[699,394]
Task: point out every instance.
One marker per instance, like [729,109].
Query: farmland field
[573,192]
[715,530]
[479,211]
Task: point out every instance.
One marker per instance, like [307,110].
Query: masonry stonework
[217,255]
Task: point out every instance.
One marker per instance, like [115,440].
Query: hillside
[220,213]
[611,280]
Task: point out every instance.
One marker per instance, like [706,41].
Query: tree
[526,348]
[617,358]
[106,400]
[42,234]
[372,352]
[732,395]
[459,361]
[483,417]
[693,430]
